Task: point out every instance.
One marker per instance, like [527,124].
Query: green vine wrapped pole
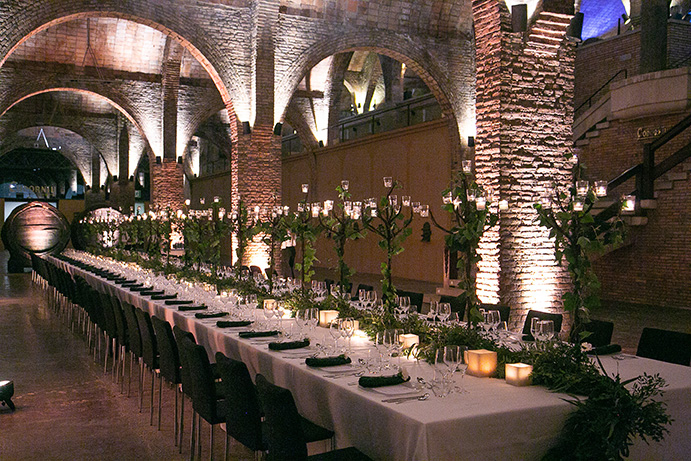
[306,232]
[470,219]
[244,230]
[386,219]
[341,225]
[577,237]
[274,231]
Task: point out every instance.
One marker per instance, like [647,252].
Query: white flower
[585,347]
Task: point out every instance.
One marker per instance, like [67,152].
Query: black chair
[169,367]
[600,332]
[243,417]
[504,312]
[457,304]
[149,353]
[135,342]
[665,345]
[6,393]
[284,435]
[556,318]
[206,402]
[185,378]
[415,298]
[122,339]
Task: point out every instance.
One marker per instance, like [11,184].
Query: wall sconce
[158,160]
[246,128]
[180,160]
[278,129]
[575,29]
[115,178]
[471,141]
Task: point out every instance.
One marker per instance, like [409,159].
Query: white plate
[397,389]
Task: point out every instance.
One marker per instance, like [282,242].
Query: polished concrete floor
[66,407]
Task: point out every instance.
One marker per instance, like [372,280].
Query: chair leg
[141,384]
[211,442]
[225,451]
[199,437]
[181,429]
[153,389]
[176,423]
[192,434]
[160,392]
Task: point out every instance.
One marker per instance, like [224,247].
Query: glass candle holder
[480,202]
[601,188]
[305,188]
[467,166]
[628,203]
[581,188]
[578,205]
[345,184]
[503,205]
[388,181]
[424,211]
[405,200]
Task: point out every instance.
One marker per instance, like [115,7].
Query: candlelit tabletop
[490,420]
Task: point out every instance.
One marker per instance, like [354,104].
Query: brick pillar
[170,86]
[524,117]
[166,184]
[256,156]
[654,14]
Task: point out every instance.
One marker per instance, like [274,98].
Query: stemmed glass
[432,314]
[312,317]
[443,311]
[534,327]
[545,330]
[347,330]
[392,342]
[269,308]
[335,332]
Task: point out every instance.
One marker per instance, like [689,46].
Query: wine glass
[335,332]
[269,308]
[347,330]
[312,317]
[432,314]
[486,321]
[443,311]
[392,341]
[453,357]
[534,327]
[546,330]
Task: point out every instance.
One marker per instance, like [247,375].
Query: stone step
[602,125]
[552,32]
[648,204]
[635,220]
[686,166]
[582,142]
[592,134]
[677,176]
[603,203]
[664,185]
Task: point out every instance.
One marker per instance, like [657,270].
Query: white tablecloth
[493,420]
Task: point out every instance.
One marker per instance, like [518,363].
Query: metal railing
[589,102]
[408,113]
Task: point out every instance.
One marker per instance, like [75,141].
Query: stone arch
[119,107]
[12,142]
[403,48]
[35,18]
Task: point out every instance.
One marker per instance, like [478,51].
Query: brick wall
[166,184]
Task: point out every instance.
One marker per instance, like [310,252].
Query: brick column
[524,118]
[166,184]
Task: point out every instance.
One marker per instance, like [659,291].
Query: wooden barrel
[37,228]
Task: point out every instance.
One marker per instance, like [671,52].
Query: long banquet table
[493,420]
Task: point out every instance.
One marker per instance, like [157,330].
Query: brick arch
[414,55]
[30,92]
[33,19]
[10,143]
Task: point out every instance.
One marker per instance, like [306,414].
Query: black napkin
[233,323]
[178,302]
[151,293]
[289,345]
[327,361]
[210,315]
[161,297]
[142,288]
[192,308]
[132,285]
[605,350]
[379,381]
[258,334]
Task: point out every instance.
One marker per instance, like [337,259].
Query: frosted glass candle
[326,316]
[518,374]
[409,340]
[482,363]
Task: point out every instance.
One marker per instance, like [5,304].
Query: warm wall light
[482,363]
[326,317]
[518,374]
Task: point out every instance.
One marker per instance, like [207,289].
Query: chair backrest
[556,318]
[169,357]
[665,345]
[504,312]
[243,411]
[600,332]
[185,377]
[457,304]
[415,298]
[120,321]
[204,397]
[284,435]
[133,335]
[149,346]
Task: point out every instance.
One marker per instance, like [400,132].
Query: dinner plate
[397,389]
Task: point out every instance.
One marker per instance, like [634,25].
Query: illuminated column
[524,118]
